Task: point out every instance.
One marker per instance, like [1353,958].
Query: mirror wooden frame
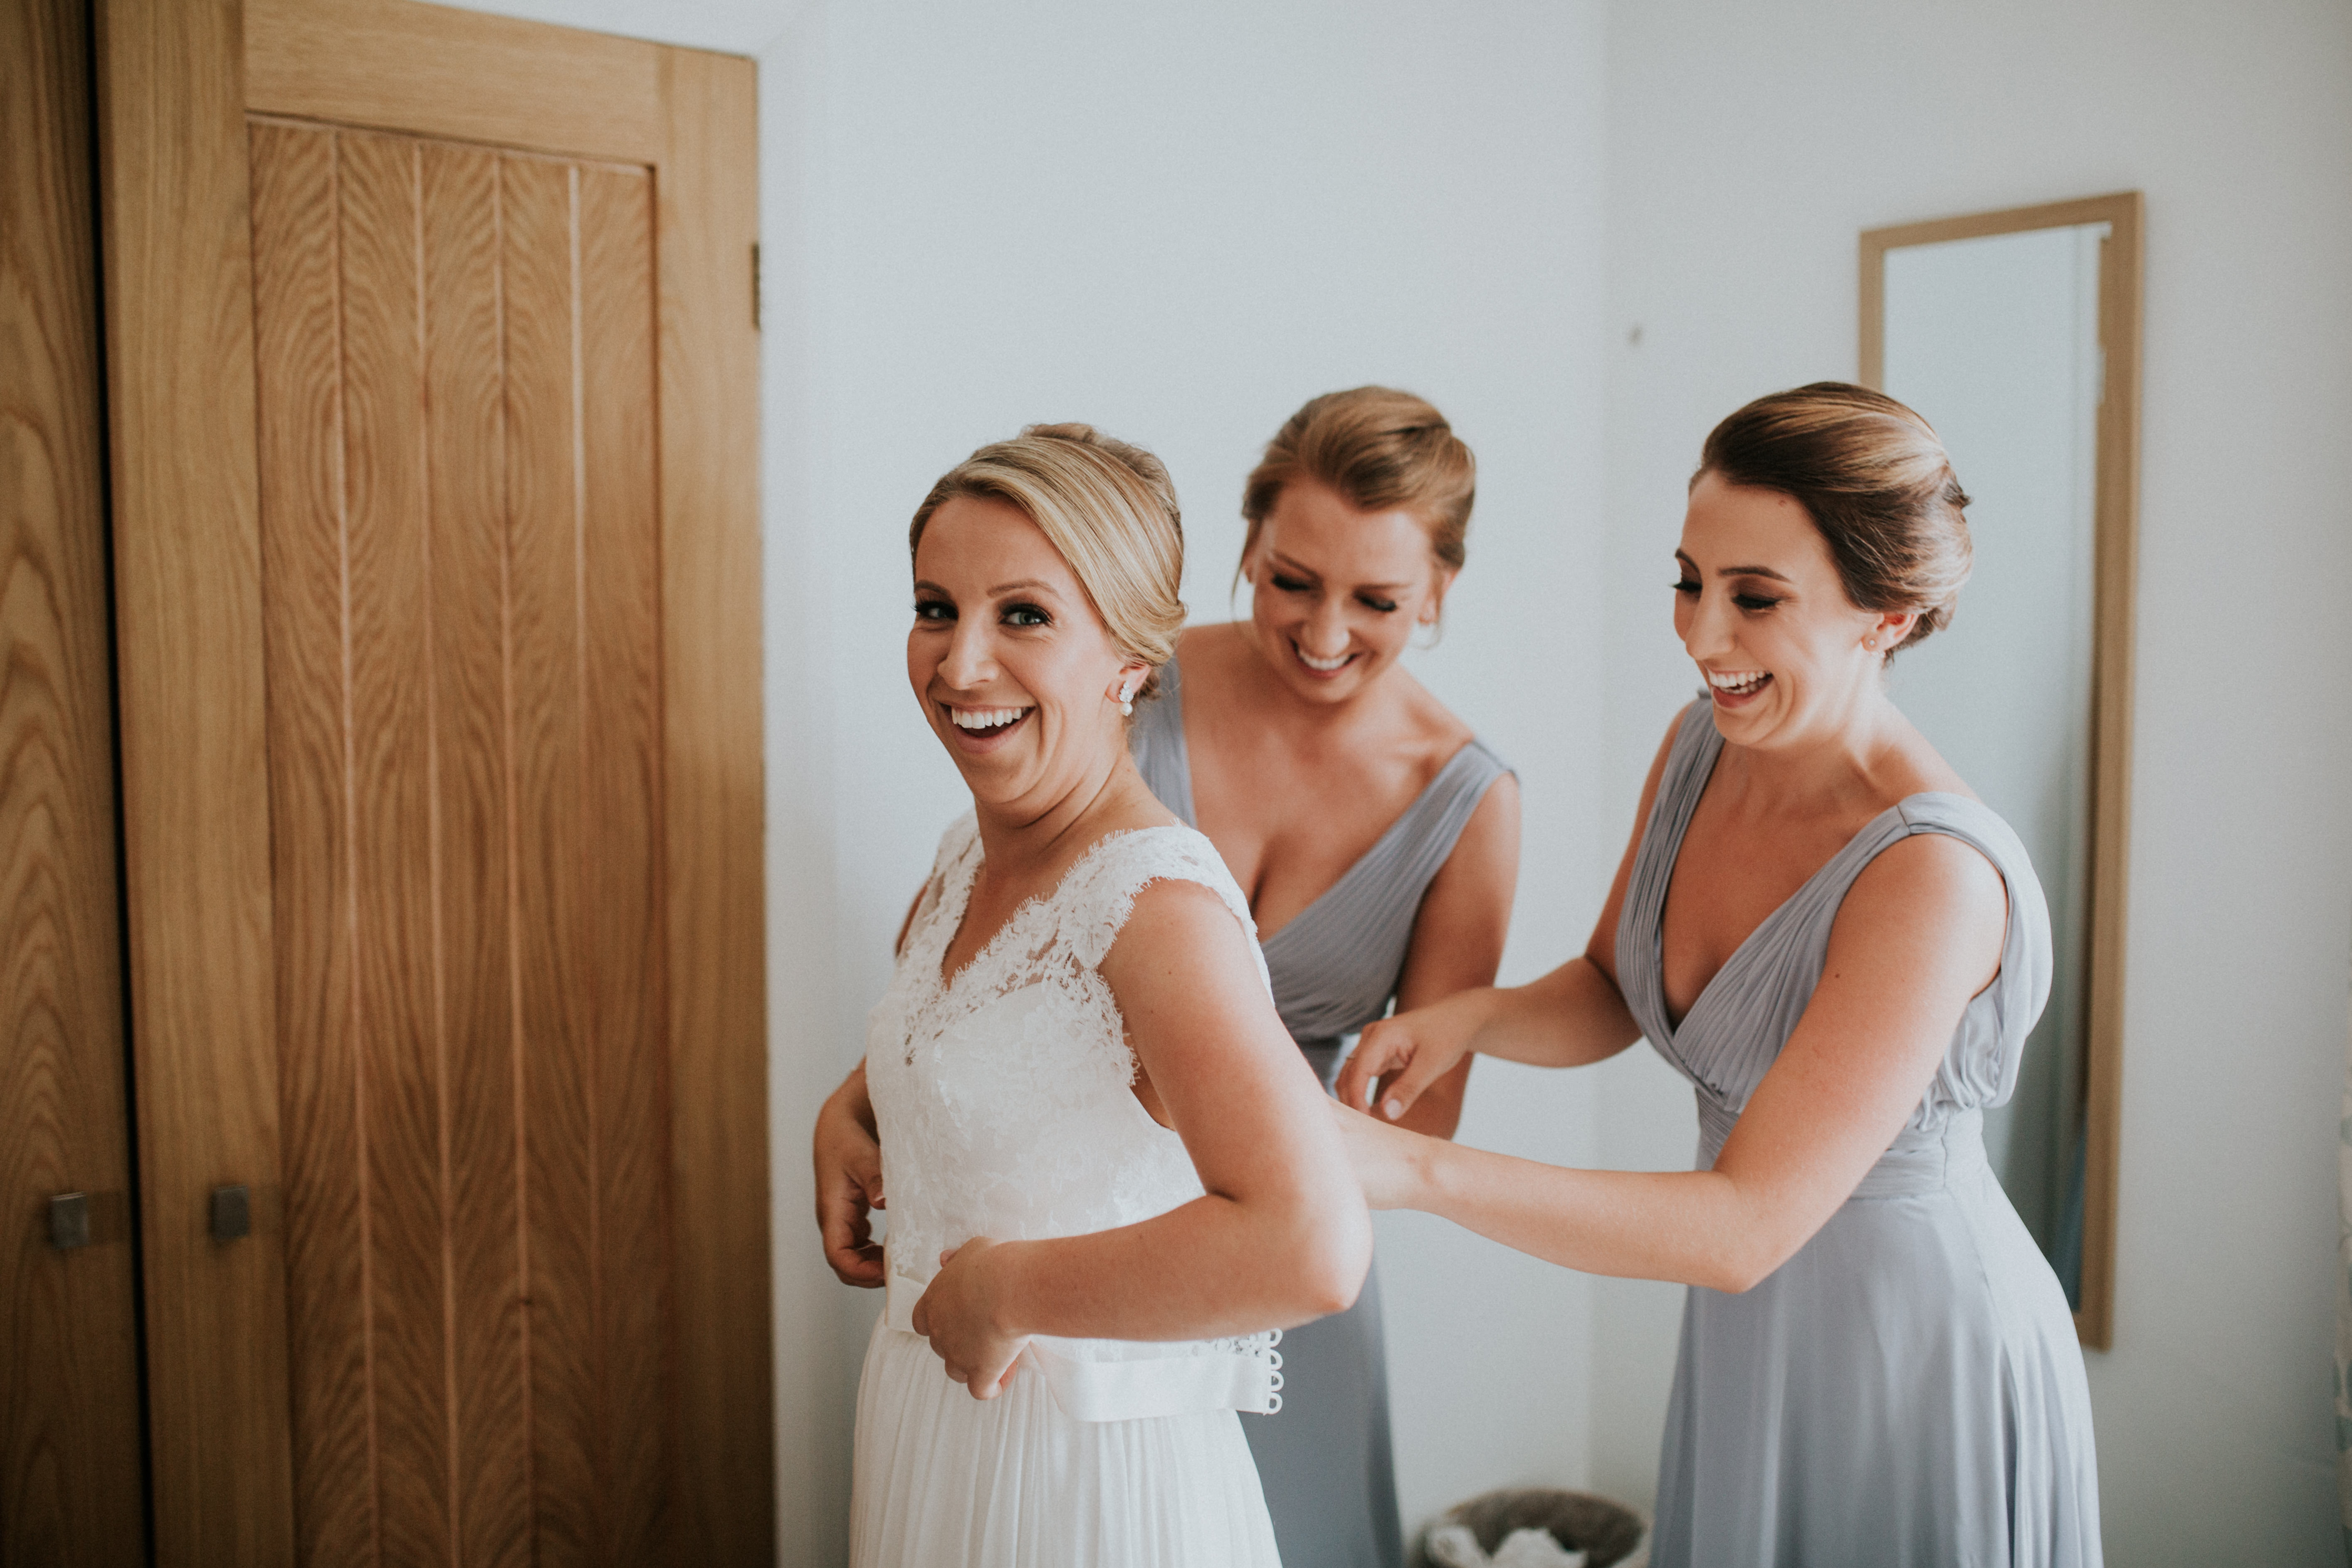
[2116,514]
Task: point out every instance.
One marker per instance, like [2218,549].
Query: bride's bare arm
[1281,1236]
[1919,933]
[848,1157]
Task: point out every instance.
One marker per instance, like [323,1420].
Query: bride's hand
[1388,1162]
[959,1315]
[849,1184]
[1403,1056]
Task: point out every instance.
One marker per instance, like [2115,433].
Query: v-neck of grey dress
[1908,1390]
[1324,1461]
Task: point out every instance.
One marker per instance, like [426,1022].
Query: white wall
[1747,146]
[1180,221]
[1177,223]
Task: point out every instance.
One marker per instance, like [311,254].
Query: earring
[1126,696]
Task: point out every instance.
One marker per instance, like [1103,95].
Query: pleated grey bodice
[1336,963]
[1737,1027]
[1906,1390]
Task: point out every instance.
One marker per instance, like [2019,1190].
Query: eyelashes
[940,612]
[1754,603]
[1293,585]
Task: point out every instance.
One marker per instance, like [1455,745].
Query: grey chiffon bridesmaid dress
[1907,1389]
[1324,1458]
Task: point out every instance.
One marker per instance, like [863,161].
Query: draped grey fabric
[1324,1459]
[1907,1389]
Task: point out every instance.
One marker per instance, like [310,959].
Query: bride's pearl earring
[1126,699]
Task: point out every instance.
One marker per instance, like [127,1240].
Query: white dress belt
[1180,1379]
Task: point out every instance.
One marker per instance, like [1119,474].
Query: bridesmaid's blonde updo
[1382,450]
[1108,506]
[1874,477]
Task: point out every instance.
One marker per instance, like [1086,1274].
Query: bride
[1110,1175]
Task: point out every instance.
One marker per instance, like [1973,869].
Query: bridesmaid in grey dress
[1844,951]
[1376,837]
[1325,1461]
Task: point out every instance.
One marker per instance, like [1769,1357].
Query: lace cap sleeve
[1130,862]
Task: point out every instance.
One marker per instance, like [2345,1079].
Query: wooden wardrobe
[385,941]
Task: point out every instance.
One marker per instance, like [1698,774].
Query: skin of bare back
[1812,754]
[1280,1235]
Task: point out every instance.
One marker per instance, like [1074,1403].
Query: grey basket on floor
[1607,1532]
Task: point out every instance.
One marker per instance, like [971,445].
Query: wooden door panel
[388,681]
[461,504]
[551,740]
[70,1461]
[298,334]
[508,1342]
[466,485]
[621,771]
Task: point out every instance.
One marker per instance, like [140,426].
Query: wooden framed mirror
[2016,334]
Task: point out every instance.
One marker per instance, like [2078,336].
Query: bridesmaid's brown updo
[1874,477]
[1382,450]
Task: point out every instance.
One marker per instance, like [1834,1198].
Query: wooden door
[70,1463]
[438,644]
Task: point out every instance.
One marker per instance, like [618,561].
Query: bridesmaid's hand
[1403,1056]
[848,1183]
[1391,1164]
[960,1315]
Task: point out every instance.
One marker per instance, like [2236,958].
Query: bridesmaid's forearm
[1569,1017]
[1688,1226]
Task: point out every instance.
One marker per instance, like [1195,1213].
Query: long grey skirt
[1904,1392]
[1324,1458]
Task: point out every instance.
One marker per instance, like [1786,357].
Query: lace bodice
[1004,1097]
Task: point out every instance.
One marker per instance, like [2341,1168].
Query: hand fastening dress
[1905,1392]
[1004,1096]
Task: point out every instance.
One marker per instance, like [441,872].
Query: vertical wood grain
[2117,572]
[174,183]
[390,758]
[620,849]
[708,190]
[465,508]
[549,740]
[507,392]
[298,333]
[69,1443]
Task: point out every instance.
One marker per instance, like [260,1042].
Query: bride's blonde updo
[1874,477]
[1108,506]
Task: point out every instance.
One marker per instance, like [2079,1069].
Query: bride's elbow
[1333,1262]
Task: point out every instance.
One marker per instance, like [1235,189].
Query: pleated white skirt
[945,1481]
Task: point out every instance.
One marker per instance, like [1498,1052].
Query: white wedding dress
[1007,1106]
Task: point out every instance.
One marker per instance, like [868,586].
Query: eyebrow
[1734,571]
[1036,583]
[1301,568]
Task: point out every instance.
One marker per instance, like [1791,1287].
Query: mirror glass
[1995,340]
[2015,334]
